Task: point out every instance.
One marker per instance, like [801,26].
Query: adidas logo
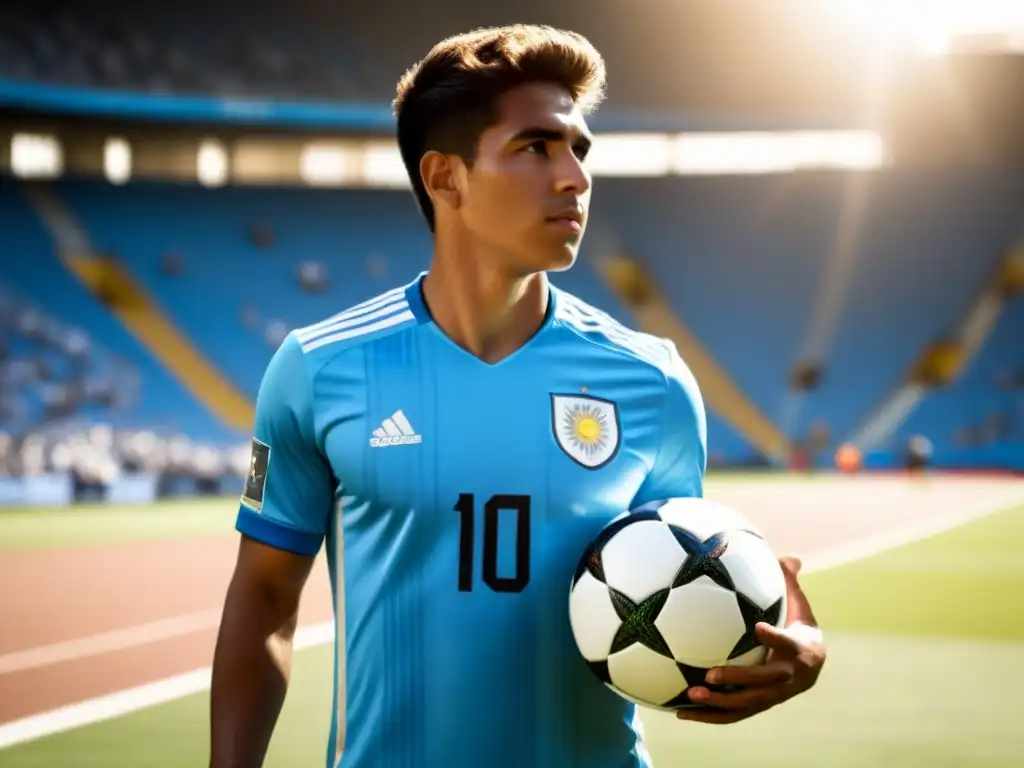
[395,431]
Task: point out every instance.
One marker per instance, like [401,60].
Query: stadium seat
[925,246]
[984,407]
[745,261]
[33,272]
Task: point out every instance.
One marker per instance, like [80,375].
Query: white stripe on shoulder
[362,330]
[579,316]
[592,314]
[349,319]
[380,297]
[591,320]
[365,306]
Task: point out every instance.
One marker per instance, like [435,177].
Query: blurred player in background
[919,455]
[457,442]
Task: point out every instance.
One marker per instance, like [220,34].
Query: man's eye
[538,147]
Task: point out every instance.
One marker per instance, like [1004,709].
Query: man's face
[528,193]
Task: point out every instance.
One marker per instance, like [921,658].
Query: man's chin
[562,258]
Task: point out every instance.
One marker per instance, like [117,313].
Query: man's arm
[679,467]
[253,658]
[284,513]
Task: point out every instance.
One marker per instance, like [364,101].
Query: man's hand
[796,655]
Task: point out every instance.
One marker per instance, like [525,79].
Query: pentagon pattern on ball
[645,580]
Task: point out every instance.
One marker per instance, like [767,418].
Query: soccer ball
[662,595]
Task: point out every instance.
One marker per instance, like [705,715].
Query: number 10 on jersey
[493,508]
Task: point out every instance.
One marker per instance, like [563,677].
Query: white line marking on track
[105,642]
[868,546]
[125,702]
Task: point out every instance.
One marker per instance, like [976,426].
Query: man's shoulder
[368,321]
[604,332]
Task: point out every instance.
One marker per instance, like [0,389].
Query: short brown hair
[445,101]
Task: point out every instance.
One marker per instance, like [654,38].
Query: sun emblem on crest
[586,428]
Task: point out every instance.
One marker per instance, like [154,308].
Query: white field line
[133,699]
[864,547]
[105,642]
[125,702]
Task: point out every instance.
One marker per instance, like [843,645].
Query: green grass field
[97,525]
[926,668]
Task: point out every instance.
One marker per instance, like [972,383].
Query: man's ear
[439,174]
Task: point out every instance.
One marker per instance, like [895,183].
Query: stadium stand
[744,261]
[35,272]
[853,274]
[160,49]
[213,277]
[315,251]
[927,242]
[979,419]
[740,275]
[233,279]
[80,397]
[313,51]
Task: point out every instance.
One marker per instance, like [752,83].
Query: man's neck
[487,312]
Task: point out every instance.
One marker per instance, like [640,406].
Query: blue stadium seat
[740,260]
[725,444]
[744,261]
[32,269]
[926,245]
[979,409]
[351,232]
[225,273]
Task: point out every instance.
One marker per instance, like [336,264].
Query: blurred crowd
[97,455]
[89,45]
[52,372]
[65,407]
[1004,423]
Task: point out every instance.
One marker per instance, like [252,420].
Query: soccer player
[456,442]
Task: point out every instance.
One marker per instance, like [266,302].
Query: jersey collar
[414,295]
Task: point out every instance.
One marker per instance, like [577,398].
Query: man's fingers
[792,639]
[746,700]
[791,564]
[798,608]
[781,640]
[769,673]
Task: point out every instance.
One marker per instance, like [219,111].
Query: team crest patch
[586,428]
[256,481]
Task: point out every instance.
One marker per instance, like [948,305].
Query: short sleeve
[682,454]
[289,492]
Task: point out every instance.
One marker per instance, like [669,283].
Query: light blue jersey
[456,497]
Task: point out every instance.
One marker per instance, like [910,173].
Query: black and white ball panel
[594,617]
[646,674]
[662,559]
[720,617]
[754,569]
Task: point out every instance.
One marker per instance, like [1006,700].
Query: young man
[458,441]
